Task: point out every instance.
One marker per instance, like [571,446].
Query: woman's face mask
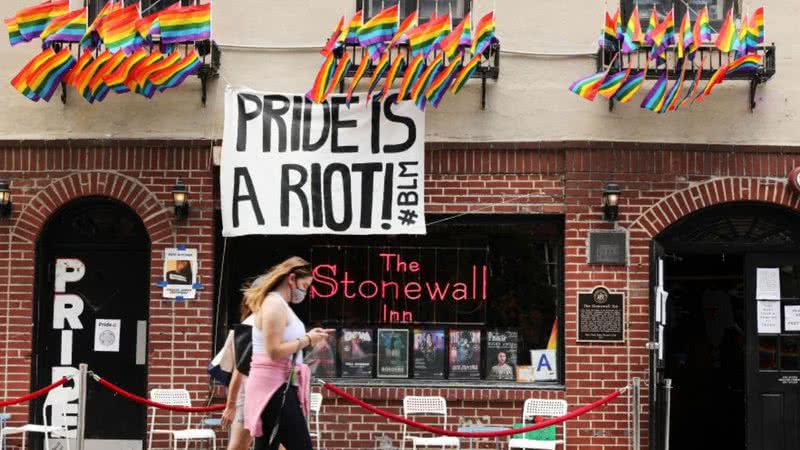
[298,295]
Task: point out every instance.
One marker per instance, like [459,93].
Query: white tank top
[293,331]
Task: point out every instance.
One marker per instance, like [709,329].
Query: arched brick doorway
[713,346]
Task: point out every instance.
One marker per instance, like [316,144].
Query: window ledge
[443,384]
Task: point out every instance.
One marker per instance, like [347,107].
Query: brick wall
[660,184]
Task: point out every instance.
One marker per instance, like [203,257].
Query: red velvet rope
[147,402]
[33,395]
[481,434]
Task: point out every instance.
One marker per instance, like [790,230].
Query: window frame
[363,5]
[626,8]
[94,6]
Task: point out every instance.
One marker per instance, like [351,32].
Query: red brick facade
[660,185]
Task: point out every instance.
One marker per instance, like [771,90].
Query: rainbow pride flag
[631,86]
[48,75]
[333,42]
[20,81]
[588,87]
[176,74]
[360,71]
[118,30]
[341,69]
[685,35]
[350,36]
[377,73]
[757,25]
[652,24]
[608,36]
[32,20]
[552,343]
[484,34]
[421,85]
[671,102]
[323,79]
[746,63]
[690,94]
[92,36]
[702,29]
[632,37]
[117,79]
[663,36]
[613,82]
[81,82]
[391,75]
[67,28]
[98,89]
[14,36]
[436,90]
[465,74]
[413,71]
[727,34]
[466,31]
[85,59]
[423,38]
[149,26]
[146,86]
[381,28]
[654,100]
[716,79]
[138,75]
[407,25]
[450,44]
[186,24]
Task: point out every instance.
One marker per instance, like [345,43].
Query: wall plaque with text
[608,247]
[601,316]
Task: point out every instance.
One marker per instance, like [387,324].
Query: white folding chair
[58,431]
[428,406]
[177,397]
[541,408]
[315,406]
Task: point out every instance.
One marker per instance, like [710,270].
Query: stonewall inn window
[426,7]
[443,306]
[716,9]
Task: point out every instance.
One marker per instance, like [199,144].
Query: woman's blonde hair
[255,294]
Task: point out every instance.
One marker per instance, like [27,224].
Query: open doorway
[705,350]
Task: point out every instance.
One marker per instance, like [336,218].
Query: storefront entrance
[733,370]
[92,307]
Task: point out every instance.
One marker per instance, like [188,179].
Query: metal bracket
[63,92]
[209,70]
[652,345]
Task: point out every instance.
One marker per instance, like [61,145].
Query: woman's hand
[317,335]
[228,415]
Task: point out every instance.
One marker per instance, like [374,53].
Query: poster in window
[392,353]
[357,350]
[321,358]
[465,354]
[501,354]
[429,353]
[180,273]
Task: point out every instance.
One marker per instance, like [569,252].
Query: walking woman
[277,396]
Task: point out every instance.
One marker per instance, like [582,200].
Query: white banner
[293,167]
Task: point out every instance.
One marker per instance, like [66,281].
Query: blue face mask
[298,295]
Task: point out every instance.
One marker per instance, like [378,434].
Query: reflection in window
[768,352]
[790,353]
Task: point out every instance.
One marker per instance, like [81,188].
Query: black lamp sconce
[611,193]
[180,197]
[5,198]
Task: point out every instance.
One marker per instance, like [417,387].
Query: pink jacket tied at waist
[266,377]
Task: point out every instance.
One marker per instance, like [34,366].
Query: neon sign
[334,281]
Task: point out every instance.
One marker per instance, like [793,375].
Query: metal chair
[430,406]
[58,431]
[541,408]
[4,417]
[315,406]
[177,397]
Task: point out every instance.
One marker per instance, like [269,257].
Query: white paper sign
[544,364]
[107,335]
[769,317]
[180,273]
[768,284]
[791,317]
[292,167]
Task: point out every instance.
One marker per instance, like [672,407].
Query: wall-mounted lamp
[180,197]
[5,198]
[611,201]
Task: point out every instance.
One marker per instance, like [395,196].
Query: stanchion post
[637,410]
[667,399]
[84,369]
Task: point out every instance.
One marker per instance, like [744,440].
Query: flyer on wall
[180,273]
[465,354]
[429,353]
[357,350]
[501,354]
[392,353]
[321,358]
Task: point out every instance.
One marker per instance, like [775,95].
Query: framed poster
[465,354]
[357,350]
[180,273]
[429,355]
[392,353]
[501,354]
[601,316]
